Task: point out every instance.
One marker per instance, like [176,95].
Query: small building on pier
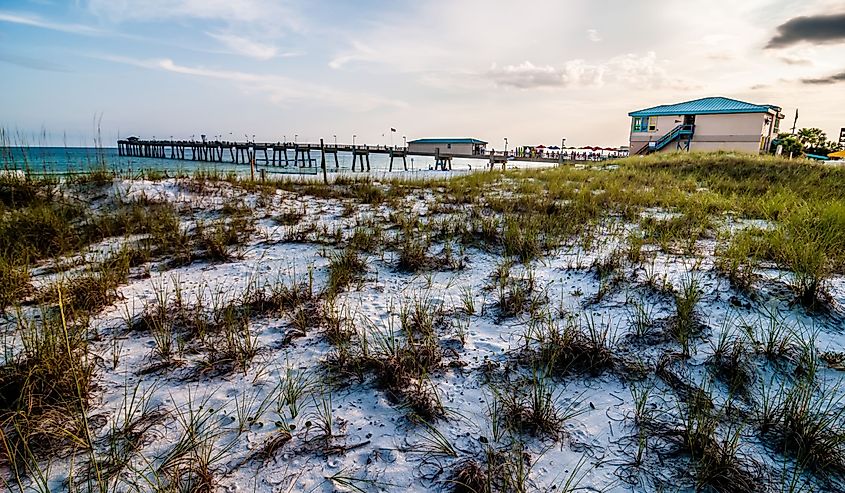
[462,147]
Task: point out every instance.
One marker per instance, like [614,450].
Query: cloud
[359,52]
[528,76]
[629,69]
[35,21]
[32,63]
[796,61]
[593,35]
[830,79]
[250,28]
[817,29]
[244,46]
[257,12]
[278,89]
[721,56]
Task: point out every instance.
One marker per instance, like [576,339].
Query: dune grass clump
[367,192]
[571,348]
[94,288]
[731,363]
[422,317]
[40,230]
[222,328]
[685,324]
[609,273]
[290,217]
[399,360]
[521,238]
[20,191]
[44,391]
[807,423]
[710,450]
[681,230]
[45,229]
[809,241]
[345,268]
[413,252]
[499,470]
[470,477]
[516,292]
[217,241]
[234,345]
[367,238]
[402,369]
[480,230]
[531,406]
[14,282]
[190,464]
[717,464]
[739,258]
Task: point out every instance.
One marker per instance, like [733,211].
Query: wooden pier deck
[283,154]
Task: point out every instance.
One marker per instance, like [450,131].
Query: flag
[392,129]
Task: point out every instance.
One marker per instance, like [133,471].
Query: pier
[284,154]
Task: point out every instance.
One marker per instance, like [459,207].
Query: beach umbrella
[554,148]
[541,146]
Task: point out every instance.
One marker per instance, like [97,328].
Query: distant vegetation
[806,141]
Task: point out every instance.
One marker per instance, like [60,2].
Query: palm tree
[812,137]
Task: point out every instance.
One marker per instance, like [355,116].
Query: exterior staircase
[682,134]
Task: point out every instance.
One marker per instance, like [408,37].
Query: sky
[532,71]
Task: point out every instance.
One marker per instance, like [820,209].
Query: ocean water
[65,160]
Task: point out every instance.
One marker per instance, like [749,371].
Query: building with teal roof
[707,124]
[450,146]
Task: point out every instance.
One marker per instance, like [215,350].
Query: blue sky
[533,71]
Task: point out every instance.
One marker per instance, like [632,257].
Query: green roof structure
[706,106]
[447,141]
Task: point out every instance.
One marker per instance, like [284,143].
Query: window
[645,124]
[640,124]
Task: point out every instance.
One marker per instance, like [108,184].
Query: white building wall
[744,132]
[664,124]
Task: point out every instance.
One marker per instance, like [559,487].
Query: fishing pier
[292,155]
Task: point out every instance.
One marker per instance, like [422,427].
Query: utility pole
[560,153]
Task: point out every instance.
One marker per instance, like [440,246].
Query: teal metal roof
[706,106]
[447,141]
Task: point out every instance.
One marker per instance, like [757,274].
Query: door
[689,119]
